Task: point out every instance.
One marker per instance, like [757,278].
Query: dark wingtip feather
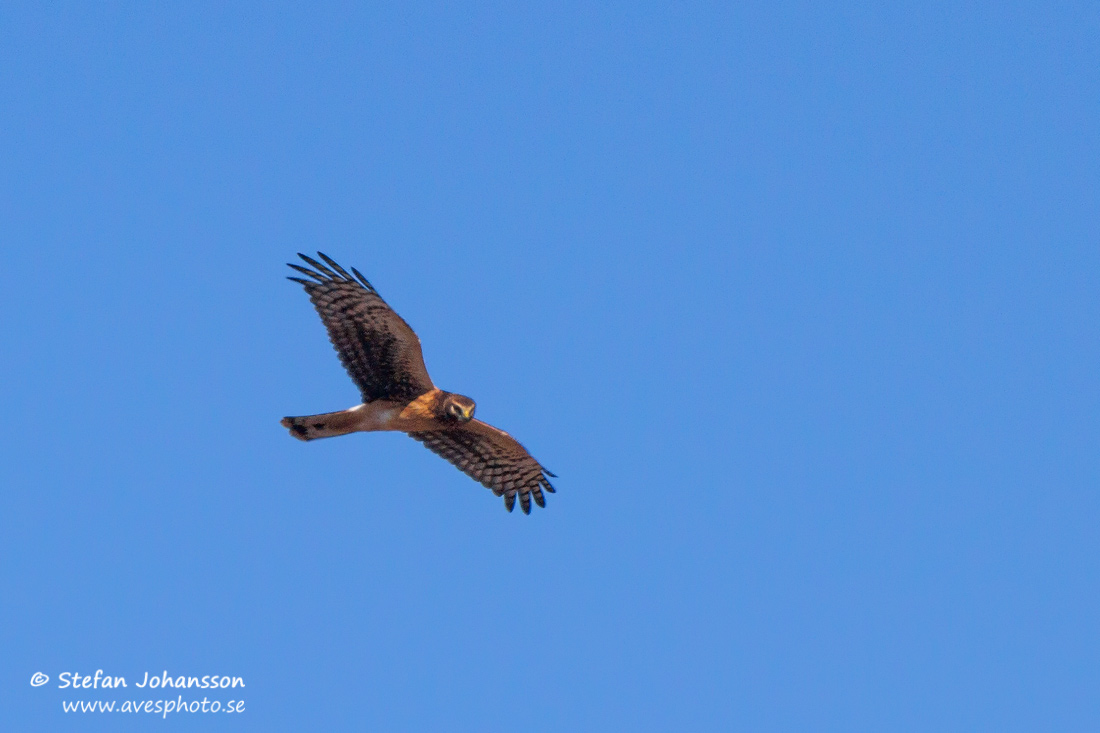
[366,283]
[510,501]
[548,472]
[299,280]
[307,272]
[540,499]
[333,265]
[314,263]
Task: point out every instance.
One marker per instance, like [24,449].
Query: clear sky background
[799,303]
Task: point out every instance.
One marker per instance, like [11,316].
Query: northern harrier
[382,356]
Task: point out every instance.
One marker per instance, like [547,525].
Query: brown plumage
[382,356]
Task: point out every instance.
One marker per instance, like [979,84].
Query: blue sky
[800,303]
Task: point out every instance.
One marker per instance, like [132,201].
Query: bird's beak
[467,413]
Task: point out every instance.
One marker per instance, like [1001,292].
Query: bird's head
[457,407]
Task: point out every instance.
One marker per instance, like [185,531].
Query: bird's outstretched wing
[380,352]
[494,458]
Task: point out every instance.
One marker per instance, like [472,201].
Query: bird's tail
[328,425]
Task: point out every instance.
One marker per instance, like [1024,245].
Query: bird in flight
[382,356]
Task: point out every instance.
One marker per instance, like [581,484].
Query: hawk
[382,356]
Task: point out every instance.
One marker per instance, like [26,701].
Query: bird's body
[420,414]
[383,357]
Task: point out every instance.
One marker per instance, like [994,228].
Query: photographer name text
[105,681]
